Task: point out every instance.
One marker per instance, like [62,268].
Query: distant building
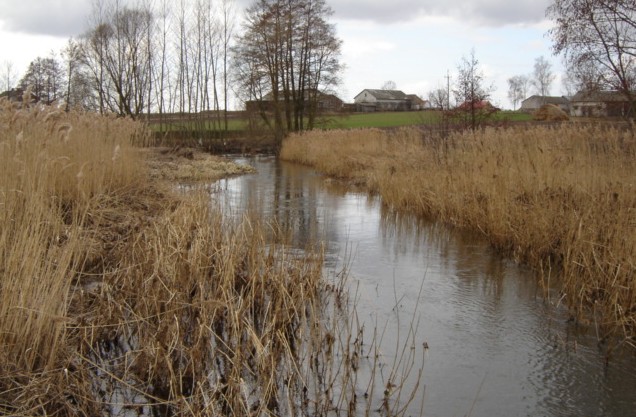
[382,100]
[325,103]
[478,105]
[417,103]
[16,95]
[600,104]
[534,103]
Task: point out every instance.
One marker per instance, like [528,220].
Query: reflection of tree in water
[294,205]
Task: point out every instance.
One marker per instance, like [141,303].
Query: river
[498,345]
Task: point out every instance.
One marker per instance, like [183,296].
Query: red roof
[478,105]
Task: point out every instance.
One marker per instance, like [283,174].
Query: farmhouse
[480,105]
[600,104]
[534,103]
[417,103]
[16,95]
[382,100]
[325,103]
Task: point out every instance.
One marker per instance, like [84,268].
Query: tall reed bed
[53,168]
[118,298]
[559,198]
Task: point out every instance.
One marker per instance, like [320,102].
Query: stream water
[497,346]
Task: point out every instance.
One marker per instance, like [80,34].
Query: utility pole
[447,90]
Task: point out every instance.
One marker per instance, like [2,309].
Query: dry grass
[117,298]
[561,199]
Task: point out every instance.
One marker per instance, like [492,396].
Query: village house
[534,103]
[418,103]
[325,103]
[480,105]
[16,95]
[382,100]
[600,104]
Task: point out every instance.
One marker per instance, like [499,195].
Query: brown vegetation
[179,164]
[118,298]
[560,198]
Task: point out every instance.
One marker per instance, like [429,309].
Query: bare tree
[288,53]
[471,93]
[45,78]
[582,77]
[8,75]
[161,69]
[439,98]
[228,19]
[542,76]
[72,55]
[389,85]
[517,89]
[598,36]
[118,50]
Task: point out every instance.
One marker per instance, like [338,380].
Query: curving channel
[498,345]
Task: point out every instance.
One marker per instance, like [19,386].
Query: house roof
[270,96]
[17,94]
[548,100]
[385,94]
[415,99]
[599,96]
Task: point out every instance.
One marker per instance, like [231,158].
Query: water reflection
[497,348]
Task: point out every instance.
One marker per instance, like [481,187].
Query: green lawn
[384,119]
[233,124]
[350,121]
[396,119]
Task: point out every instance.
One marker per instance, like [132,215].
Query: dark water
[497,345]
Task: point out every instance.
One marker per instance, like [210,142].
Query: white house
[601,104]
[534,103]
[382,100]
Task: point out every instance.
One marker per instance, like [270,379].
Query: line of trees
[138,58]
[171,58]
[162,57]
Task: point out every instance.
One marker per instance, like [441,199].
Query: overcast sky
[411,42]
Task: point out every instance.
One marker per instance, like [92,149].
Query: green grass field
[347,121]
[383,119]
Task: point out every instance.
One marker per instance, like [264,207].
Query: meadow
[432,118]
[121,296]
[561,199]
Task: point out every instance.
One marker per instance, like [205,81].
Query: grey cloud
[68,17]
[483,12]
[63,18]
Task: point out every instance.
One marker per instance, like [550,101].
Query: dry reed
[558,198]
[117,298]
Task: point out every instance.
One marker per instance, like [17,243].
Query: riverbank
[120,296]
[561,199]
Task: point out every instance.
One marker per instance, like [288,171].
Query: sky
[414,43]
